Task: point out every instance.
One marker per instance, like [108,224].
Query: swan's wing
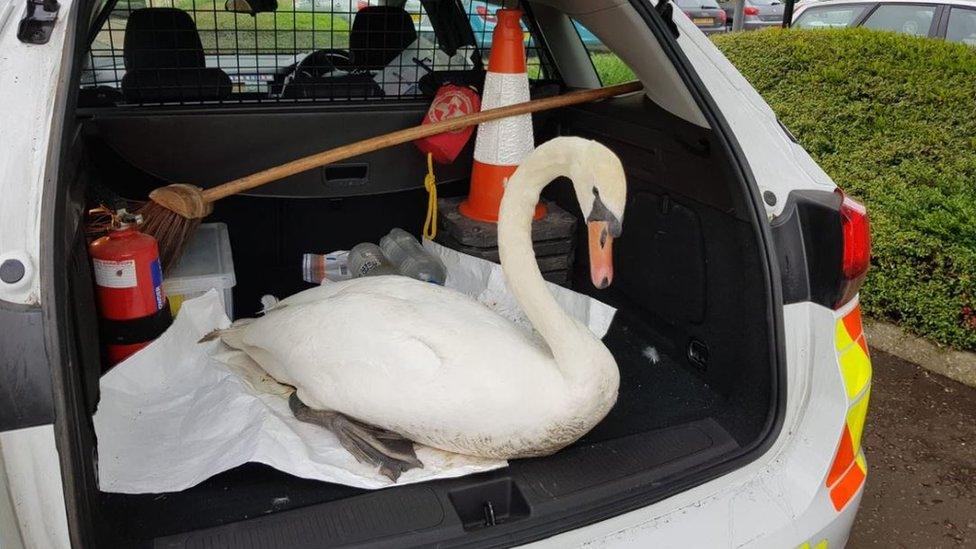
[394,348]
[377,323]
[393,285]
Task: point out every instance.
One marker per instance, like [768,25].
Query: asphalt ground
[920,444]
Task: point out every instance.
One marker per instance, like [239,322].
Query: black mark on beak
[600,212]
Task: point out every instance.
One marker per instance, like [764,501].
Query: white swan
[437,367]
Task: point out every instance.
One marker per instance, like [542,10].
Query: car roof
[807,5]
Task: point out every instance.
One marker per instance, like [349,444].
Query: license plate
[703,21]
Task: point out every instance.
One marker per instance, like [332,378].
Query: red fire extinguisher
[129,288]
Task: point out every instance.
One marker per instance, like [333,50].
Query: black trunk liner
[660,426]
[579,478]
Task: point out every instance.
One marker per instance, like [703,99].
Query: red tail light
[483,13]
[721,16]
[751,10]
[362,4]
[857,247]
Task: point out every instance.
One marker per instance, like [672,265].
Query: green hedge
[892,119]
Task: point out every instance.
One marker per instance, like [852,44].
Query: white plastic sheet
[179,412]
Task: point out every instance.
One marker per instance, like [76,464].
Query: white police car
[744,371]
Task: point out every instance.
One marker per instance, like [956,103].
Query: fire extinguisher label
[115,274]
[157,279]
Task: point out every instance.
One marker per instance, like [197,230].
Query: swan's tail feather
[230,335]
[392,453]
[211,336]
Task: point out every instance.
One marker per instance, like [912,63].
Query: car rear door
[958,25]
[911,19]
[35,44]
[831,16]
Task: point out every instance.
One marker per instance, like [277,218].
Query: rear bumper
[709,523]
[808,485]
[756,25]
[713,30]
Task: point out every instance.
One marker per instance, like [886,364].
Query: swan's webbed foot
[387,450]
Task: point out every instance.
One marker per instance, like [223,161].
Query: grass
[892,119]
[287,30]
[284,30]
[611,69]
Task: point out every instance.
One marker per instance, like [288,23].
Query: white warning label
[115,274]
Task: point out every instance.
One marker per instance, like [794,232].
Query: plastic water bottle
[411,259]
[330,267]
[367,259]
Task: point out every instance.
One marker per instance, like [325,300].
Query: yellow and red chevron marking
[852,353]
[849,469]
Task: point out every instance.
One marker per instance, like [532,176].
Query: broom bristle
[171,230]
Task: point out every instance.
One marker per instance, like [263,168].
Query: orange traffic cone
[501,144]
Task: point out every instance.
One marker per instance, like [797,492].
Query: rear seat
[164,60]
[378,35]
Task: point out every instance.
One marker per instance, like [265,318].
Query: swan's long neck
[563,334]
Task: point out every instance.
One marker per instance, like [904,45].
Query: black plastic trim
[810,246]
[38,22]
[72,424]
[787,131]
[25,379]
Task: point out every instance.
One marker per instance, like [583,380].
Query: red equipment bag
[129,289]
[450,101]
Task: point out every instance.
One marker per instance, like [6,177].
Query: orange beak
[601,253]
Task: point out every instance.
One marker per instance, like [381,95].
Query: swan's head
[601,188]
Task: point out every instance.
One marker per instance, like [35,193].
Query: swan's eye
[596,192]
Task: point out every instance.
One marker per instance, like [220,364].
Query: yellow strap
[430,224]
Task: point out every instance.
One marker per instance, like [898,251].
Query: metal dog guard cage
[185,52]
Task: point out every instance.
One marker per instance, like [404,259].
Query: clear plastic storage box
[206,263]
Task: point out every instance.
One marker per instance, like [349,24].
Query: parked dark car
[953,20]
[759,14]
[705,14]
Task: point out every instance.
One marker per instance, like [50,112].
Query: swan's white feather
[435,365]
[413,357]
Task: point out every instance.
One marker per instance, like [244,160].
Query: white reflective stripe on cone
[504,142]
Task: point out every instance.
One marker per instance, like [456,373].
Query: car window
[609,67]
[962,26]
[825,17]
[299,51]
[904,18]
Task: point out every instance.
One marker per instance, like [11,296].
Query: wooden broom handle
[254,180]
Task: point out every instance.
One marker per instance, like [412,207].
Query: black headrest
[162,38]
[175,85]
[378,35]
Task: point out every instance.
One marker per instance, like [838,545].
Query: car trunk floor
[663,413]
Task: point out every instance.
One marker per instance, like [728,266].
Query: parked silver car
[758,13]
[952,20]
[705,14]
